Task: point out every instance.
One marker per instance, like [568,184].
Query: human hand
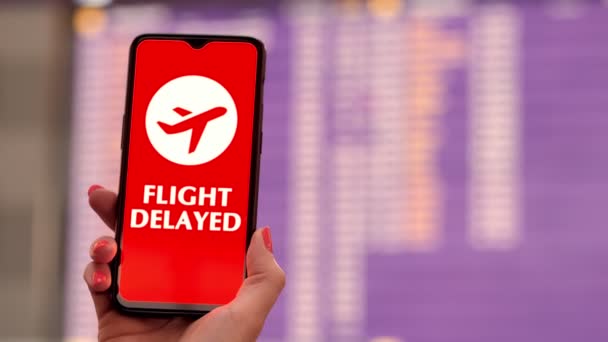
[240,320]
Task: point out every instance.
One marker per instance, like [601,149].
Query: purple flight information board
[432,171]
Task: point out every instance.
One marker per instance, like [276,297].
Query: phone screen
[187,181]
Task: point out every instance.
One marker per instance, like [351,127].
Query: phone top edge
[212,37]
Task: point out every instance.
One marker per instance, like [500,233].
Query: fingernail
[99,244]
[267,239]
[93,188]
[99,278]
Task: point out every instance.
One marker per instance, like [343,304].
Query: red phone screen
[187,189]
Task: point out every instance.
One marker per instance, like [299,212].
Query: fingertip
[97,277]
[93,188]
[262,240]
[94,198]
[260,258]
[99,196]
[103,202]
[103,250]
[257,242]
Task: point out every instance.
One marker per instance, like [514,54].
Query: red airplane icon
[196,123]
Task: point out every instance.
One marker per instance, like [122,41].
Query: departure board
[432,171]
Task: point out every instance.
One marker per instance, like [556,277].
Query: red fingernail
[93,188]
[99,278]
[267,239]
[100,244]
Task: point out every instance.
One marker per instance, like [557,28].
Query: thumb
[264,283]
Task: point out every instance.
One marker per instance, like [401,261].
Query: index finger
[103,202]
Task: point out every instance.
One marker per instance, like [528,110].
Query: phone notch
[197,43]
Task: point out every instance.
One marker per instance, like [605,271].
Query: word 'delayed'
[172,218]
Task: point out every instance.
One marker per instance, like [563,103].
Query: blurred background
[432,170]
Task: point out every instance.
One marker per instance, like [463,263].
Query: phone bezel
[185,309]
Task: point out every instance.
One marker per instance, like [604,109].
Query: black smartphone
[192,136]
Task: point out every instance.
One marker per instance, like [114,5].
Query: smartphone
[191,145]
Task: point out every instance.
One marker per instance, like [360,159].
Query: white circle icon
[191,120]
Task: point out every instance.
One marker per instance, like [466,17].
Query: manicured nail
[93,188]
[99,245]
[99,278]
[267,239]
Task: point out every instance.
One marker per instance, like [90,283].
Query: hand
[240,320]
